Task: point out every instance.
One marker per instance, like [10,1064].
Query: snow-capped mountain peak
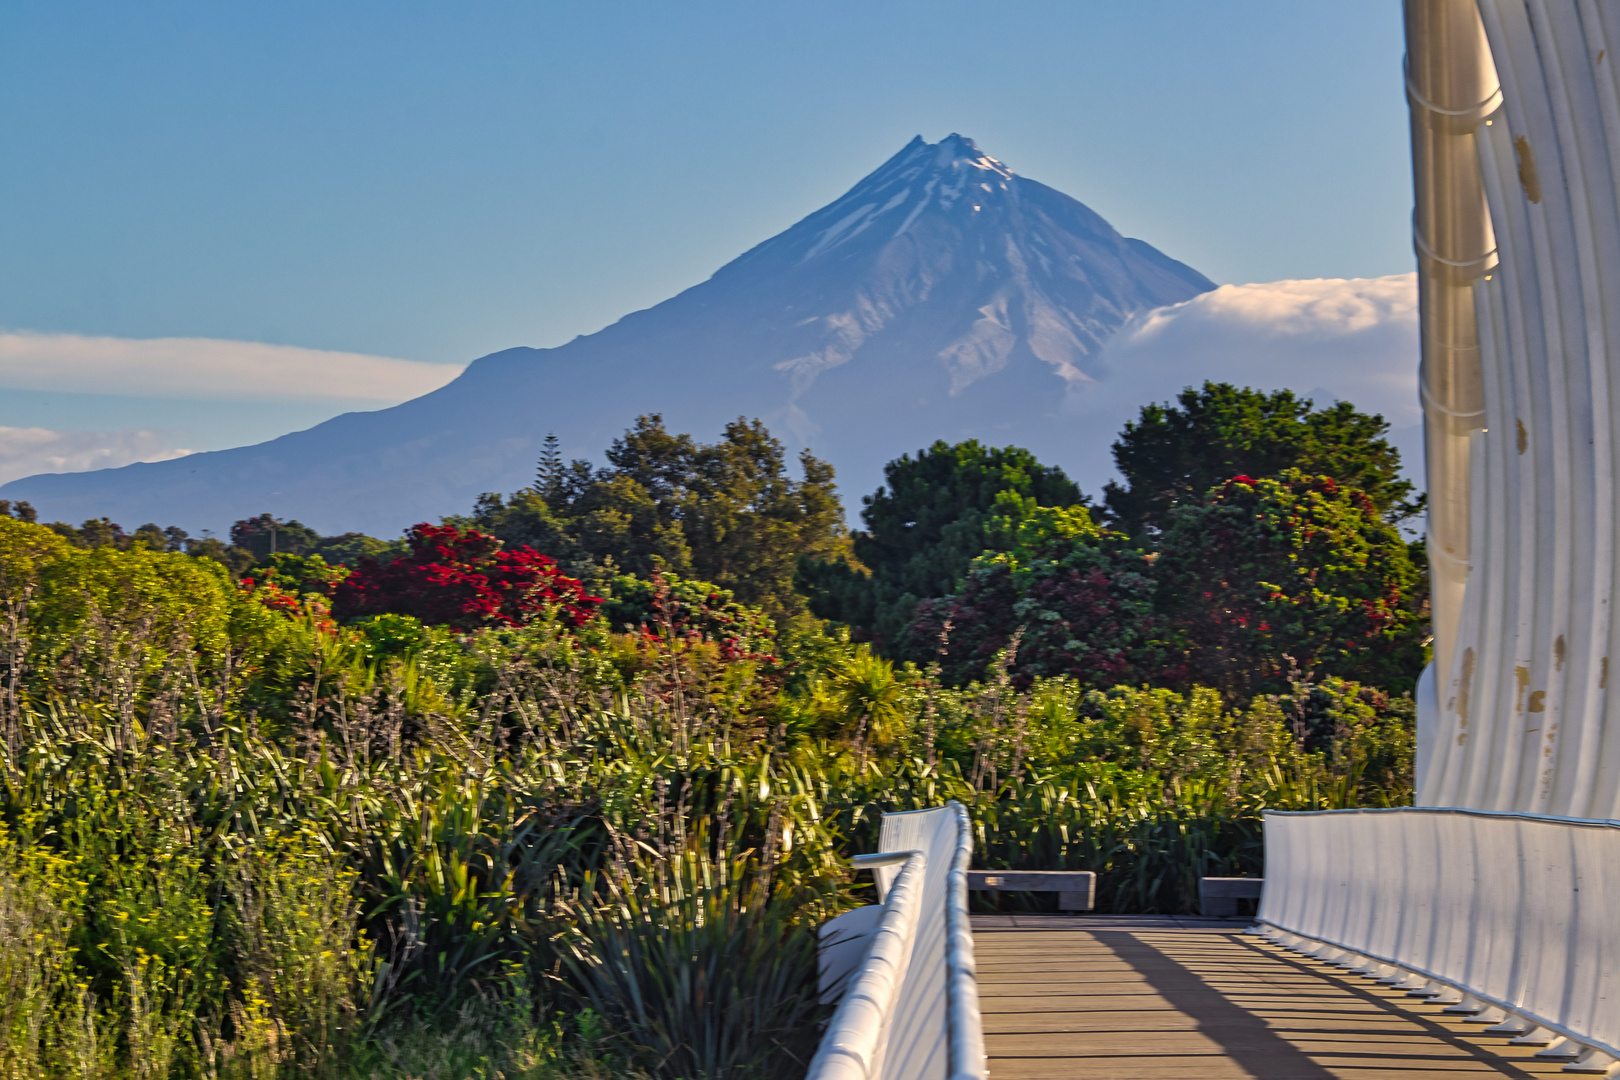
[921,175]
[1027,272]
[957,151]
[942,296]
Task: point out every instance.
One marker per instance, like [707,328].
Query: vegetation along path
[1121,998]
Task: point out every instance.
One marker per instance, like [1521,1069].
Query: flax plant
[699,964]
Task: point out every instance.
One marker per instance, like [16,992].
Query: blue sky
[435,181]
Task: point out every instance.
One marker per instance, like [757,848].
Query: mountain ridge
[942,296]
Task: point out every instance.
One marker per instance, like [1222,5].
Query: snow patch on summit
[947,170]
[958,150]
[1050,278]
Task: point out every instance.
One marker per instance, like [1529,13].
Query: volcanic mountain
[942,297]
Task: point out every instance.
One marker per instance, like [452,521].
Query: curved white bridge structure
[1509,919]
[1498,893]
[1530,459]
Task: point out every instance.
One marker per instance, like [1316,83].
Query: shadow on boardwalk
[1112,998]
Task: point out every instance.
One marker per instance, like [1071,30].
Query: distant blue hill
[942,297]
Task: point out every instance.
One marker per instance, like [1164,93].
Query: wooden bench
[1076,889]
[1219,896]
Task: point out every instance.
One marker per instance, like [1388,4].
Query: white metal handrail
[1510,914]
[967,1058]
[911,1007]
[852,1048]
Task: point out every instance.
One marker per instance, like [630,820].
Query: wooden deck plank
[1112,998]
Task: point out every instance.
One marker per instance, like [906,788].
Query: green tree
[692,610]
[104,532]
[873,702]
[1172,454]
[94,533]
[729,513]
[347,549]
[924,528]
[104,597]
[254,541]
[265,536]
[595,528]
[1268,579]
[236,560]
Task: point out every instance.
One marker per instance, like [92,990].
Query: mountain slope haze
[941,297]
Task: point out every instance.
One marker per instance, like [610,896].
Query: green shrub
[385,850]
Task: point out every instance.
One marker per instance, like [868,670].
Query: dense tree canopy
[1173,454]
[1268,577]
[149,599]
[1209,576]
[924,528]
[462,578]
[1253,539]
[1261,583]
[729,512]
[266,535]
[672,607]
[257,541]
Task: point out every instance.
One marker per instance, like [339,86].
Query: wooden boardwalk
[1117,998]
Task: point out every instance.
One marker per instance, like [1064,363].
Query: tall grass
[322,853]
[42,1008]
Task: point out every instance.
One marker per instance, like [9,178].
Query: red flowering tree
[462,579]
[1290,572]
[693,611]
[1082,596]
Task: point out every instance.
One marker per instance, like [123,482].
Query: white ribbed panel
[1451,86]
[857,1038]
[912,1008]
[1516,909]
[1524,709]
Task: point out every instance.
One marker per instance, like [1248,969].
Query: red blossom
[461,578]
[275,598]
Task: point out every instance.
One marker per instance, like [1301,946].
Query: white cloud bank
[209,368]
[27,451]
[1351,339]
[1355,338]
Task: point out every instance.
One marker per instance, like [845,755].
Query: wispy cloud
[209,368]
[27,451]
